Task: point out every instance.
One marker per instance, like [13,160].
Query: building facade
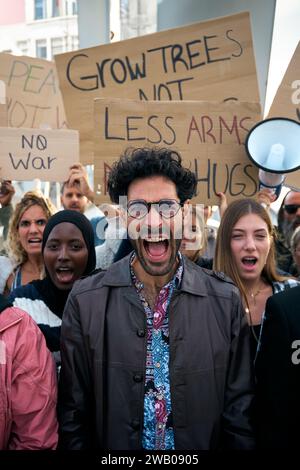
[38,28]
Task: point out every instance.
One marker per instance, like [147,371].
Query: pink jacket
[28,386]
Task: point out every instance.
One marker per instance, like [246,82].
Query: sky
[286,35]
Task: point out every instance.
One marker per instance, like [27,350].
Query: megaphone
[273,145]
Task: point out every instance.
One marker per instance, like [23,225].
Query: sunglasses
[291,208]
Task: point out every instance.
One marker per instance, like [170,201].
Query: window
[23,47]
[40,11]
[56,46]
[74,8]
[41,48]
[55,8]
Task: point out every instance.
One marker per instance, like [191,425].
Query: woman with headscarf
[69,253]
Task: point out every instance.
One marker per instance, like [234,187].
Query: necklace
[251,324]
[253,295]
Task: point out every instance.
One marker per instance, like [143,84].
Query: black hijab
[55,298]
[84,225]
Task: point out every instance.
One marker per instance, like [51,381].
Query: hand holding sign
[222,203]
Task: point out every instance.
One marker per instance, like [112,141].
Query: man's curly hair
[144,162]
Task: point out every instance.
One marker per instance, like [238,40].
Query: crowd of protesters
[168,343]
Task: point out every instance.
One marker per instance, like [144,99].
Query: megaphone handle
[276,190]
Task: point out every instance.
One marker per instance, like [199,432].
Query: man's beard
[168,268]
[288,227]
[174,237]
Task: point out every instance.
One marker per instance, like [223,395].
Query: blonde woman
[194,240]
[245,252]
[24,239]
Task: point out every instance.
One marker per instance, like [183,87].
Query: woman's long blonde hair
[197,212]
[32,198]
[223,260]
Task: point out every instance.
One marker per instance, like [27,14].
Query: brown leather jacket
[103,363]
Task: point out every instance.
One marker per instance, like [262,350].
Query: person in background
[7,192]
[245,253]
[210,235]
[76,195]
[68,253]
[277,369]
[295,247]
[211,232]
[194,237]
[114,235]
[195,245]
[24,240]
[155,350]
[28,384]
[288,221]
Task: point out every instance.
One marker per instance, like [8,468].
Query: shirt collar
[176,278]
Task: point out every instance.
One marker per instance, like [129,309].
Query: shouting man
[155,351]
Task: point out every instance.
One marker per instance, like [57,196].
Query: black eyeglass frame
[294,207]
[156,204]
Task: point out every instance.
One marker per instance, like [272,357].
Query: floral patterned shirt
[158,428]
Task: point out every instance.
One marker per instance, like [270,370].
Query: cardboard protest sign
[26,154]
[3,107]
[211,60]
[287,103]
[287,99]
[209,136]
[33,96]
[3,115]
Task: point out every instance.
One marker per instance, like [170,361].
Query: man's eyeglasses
[167,208]
[291,208]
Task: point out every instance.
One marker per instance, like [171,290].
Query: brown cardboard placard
[292,180]
[211,60]
[32,90]
[287,103]
[3,105]
[3,115]
[210,137]
[26,154]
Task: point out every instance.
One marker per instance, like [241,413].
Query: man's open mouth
[156,248]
